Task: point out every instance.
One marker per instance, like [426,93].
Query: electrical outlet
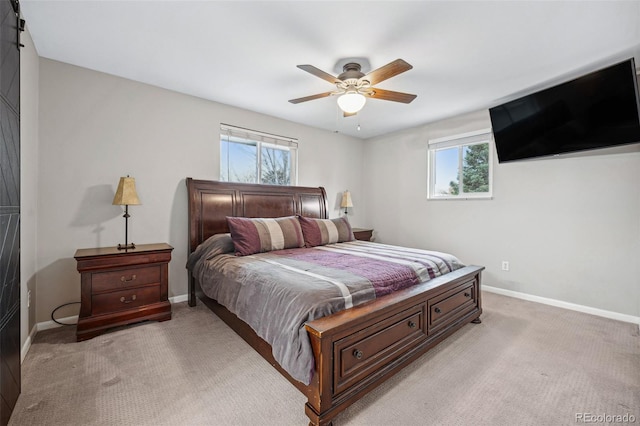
[505,265]
[28,298]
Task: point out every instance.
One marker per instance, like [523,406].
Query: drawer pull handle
[467,294]
[412,324]
[124,280]
[123,300]
[437,310]
[357,353]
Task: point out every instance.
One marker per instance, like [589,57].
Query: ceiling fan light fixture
[351,102]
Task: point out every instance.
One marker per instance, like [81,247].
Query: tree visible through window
[255,157]
[275,166]
[475,170]
[464,158]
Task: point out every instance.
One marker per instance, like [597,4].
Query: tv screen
[598,110]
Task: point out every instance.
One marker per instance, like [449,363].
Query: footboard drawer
[361,353]
[452,305]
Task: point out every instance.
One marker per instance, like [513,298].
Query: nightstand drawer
[123,278]
[125,299]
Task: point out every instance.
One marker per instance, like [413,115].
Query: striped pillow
[259,235]
[319,232]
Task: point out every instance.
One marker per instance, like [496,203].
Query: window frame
[457,141]
[261,140]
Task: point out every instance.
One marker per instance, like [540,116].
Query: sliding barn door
[9,209]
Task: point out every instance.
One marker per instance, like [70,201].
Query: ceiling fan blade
[387,71]
[348,114]
[390,95]
[310,98]
[319,73]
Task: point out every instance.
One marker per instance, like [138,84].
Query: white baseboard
[178,299]
[27,343]
[565,305]
[46,325]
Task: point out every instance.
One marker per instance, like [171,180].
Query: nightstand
[120,287]
[362,234]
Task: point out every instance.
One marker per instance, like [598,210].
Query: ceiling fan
[354,86]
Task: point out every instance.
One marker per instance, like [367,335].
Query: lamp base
[126,246]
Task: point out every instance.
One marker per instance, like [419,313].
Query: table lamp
[126,196]
[346,201]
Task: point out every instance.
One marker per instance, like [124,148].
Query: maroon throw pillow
[318,232]
[259,235]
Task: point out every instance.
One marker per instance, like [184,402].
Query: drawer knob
[412,324]
[437,310]
[124,280]
[357,353]
[123,300]
[467,294]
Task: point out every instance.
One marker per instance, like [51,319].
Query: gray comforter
[277,292]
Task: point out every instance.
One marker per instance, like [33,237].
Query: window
[255,157]
[461,166]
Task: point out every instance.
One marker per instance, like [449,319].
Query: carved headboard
[210,202]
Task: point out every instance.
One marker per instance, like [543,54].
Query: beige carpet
[526,364]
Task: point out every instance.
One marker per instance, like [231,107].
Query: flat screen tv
[597,110]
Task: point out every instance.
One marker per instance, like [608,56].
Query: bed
[353,350]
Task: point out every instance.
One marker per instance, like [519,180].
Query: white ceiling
[465,55]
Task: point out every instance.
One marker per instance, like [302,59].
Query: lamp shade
[346,200]
[126,194]
[351,102]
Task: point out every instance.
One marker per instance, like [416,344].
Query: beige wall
[28,182]
[569,226]
[95,128]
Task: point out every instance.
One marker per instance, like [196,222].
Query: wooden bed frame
[357,349]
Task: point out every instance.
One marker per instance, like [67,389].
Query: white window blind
[462,139]
[254,135]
